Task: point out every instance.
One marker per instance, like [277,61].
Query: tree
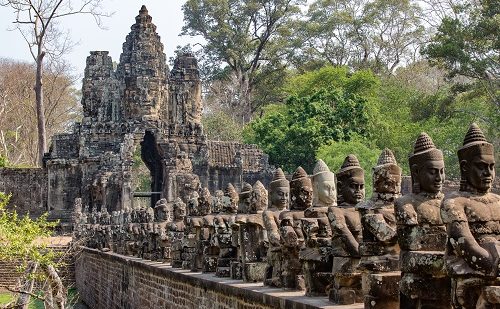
[334,154]
[292,133]
[239,41]
[468,44]
[22,242]
[379,34]
[36,21]
[18,129]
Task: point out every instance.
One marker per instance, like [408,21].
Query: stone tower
[142,112]
[143,71]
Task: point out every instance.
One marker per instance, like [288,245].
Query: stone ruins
[217,207]
[139,113]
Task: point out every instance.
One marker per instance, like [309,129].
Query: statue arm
[271,227]
[339,227]
[376,224]
[464,244]
[405,213]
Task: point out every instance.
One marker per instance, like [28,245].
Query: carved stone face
[353,191]
[280,197]
[387,180]
[325,188]
[179,211]
[479,172]
[430,176]
[258,200]
[301,197]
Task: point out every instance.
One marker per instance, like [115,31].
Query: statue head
[387,174]
[179,209]
[231,199]
[477,162]
[218,201]
[279,191]
[258,198]
[162,211]
[300,190]
[426,166]
[324,186]
[244,198]
[193,205]
[205,202]
[150,214]
[351,181]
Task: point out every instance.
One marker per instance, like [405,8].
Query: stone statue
[252,236]
[279,199]
[472,218]
[222,252]
[345,223]
[218,201]
[292,237]
[176,230]
[316,255]
[421,232]
[231,199]
[163,216]
[236,271]
[197,231]
[379,248]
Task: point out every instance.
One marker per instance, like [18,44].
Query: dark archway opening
[152,159]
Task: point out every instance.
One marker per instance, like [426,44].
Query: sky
[167,16]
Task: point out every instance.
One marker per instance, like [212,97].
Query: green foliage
[219,126]
[22,237]
[334,154]
[141,176]
[316,114]
[468,43]
[3,161]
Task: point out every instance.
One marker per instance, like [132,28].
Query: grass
[6,297]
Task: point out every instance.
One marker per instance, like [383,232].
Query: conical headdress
[322,169]
[387,161]
[424,150]
[300,177]
[350,168]
[279,180]
[246,189]
[474,144]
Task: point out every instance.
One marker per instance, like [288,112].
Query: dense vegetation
[340,77]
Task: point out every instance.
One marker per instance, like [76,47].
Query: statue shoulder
[453,207]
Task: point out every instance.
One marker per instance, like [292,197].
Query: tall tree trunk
[42,141]
[26,287]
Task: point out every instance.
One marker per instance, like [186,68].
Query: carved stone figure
[291,233]
[176,230]
[379,249]
[197,233]
[421,232]
[472,218]
[345,223]
[279,199]
[231,199]
[253,239]
[163,217]
[218,201]
[224,245]
[316,255]
[236,271]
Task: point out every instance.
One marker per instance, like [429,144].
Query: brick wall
[108,280]
[9,272]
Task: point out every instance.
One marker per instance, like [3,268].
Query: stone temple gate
[142,111]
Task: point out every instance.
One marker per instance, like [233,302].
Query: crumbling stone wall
[28,187]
